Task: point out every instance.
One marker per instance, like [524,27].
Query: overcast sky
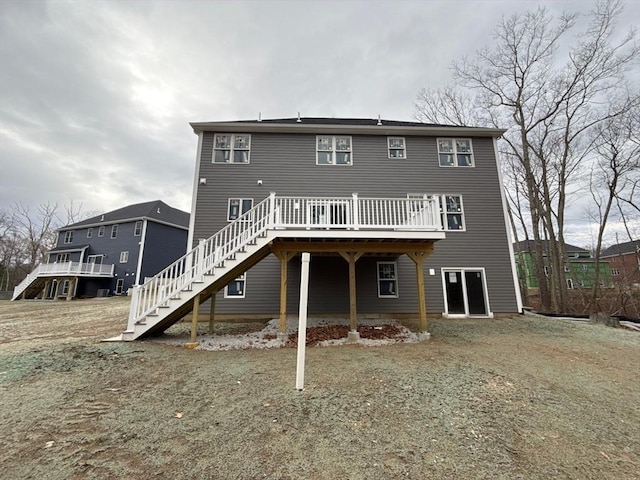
[96,97]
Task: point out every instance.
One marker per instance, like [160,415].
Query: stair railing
[201,260]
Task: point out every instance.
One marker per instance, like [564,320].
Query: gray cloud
[95,97]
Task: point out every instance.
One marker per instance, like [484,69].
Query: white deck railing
[344,213]
[65,269]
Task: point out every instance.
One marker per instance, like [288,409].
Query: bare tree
[551,104]
[615,174]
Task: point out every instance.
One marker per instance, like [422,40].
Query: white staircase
[169,296]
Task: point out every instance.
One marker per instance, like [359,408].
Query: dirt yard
[516,398]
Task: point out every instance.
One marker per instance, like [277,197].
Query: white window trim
[443,208]
[124,256]
[62,258]
[231,149]
[241,278]
[615,272]
[114,231]
[404,148]
[242,200]
[395,279]
[455,152]
[137,233]
[570,284]
[101,231]
[90,232]
[333,150]
[68,237]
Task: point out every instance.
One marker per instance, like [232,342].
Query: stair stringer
[179,305]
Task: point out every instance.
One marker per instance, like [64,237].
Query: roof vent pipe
[259,116]
[379,121]
[299,120]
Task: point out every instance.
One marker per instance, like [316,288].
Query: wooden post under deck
[418,258]
[212,312]
[194,319]
[70,288]
[46,287]
[352,258]
[284,260]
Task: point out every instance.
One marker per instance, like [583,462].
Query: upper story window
[615,271]
[101,231]
[62,258]
[89,232]
[68,236]
[114,231]
[455,152]
[333,150]
[231,148]
[397,147]
[452,212]
[137,231]
[238,206]
[124,257]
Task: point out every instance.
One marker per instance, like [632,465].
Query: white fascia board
[255,127]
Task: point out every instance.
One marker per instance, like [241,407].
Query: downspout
[143,238]
[514,272]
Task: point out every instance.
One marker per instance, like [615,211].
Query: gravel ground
[512,398]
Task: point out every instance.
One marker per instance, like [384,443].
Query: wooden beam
[194,318]
[284,257]
[212,312]
[360,247]
[352,258]
[419,258]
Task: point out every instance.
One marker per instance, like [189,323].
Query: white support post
[302,320]
[356,212]
[272,209]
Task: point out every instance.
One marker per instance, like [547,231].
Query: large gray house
[400,218]
[109,253]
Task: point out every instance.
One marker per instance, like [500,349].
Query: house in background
[624,262]
[109,253]
[579,271]
[400,218]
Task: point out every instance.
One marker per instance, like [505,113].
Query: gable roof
[622,248]
[363,126]
[528,246]
[156,210]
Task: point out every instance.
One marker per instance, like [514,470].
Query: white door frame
[485,292]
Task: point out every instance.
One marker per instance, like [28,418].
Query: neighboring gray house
[109,253]
[401,218]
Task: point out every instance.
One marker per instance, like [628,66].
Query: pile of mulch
[316,335]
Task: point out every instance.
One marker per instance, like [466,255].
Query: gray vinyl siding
[163,245]
[286,164]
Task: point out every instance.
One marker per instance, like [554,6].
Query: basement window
[387,280]
[236,288]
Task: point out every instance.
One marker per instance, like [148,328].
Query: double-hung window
[89,232]
[68,236]
[137,231]
[452,212]
[615,272]
[387,280]
[101,231]
[333,150]
[124,257]
[114,231]
[237,207]
[231,148]
[236,288]
[397,147]
[455,152]
[62,258]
